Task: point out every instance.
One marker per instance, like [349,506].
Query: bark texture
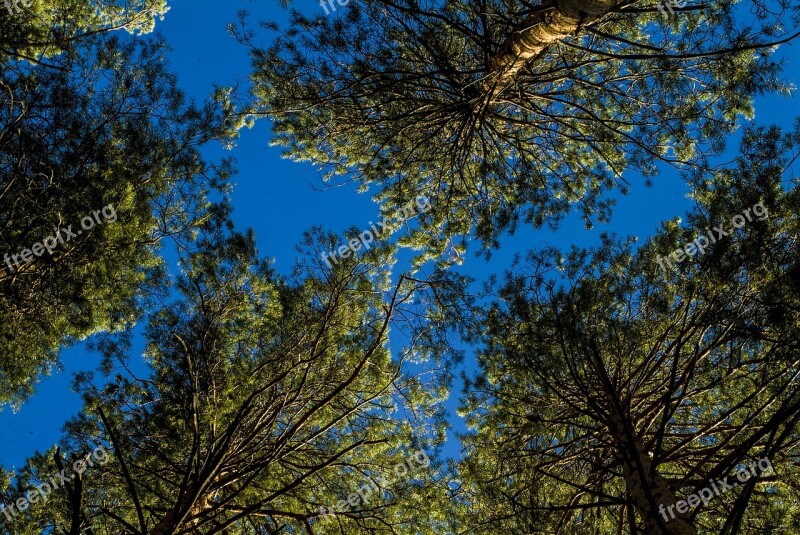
[646,487]
[552,22]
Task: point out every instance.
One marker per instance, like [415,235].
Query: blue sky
[280,200]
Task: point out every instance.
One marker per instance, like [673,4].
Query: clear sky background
[280,200]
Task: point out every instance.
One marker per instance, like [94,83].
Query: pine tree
[96,126]
[505,111]
[615,385]
[269,404]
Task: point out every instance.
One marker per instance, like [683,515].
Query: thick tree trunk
[175,519]
[647,488]
[553,21]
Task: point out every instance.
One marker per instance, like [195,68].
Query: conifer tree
[271,405]
[505,112]
[91,120]
[612,387]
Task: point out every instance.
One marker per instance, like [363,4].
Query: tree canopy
[621,388]
[267,399]
[96,123]
[42,30]
[616,385]
[506,111]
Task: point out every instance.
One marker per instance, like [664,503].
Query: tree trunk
[181,510]
[647,488]
[553,21]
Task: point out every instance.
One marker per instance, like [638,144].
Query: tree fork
[645,486]
[642,479]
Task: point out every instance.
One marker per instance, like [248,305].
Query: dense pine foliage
[605,390]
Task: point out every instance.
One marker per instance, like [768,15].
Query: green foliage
[102,124]
[267,399]
[399,94]
[700,360]
[50,28]
[607,385]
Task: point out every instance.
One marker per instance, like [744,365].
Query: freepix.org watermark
[61,236]
[384,481]
[666,6]
[326,3]
[61,478]
[420,205]
[715,489]
[701,242]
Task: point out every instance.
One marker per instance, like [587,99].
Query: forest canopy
[377,378]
